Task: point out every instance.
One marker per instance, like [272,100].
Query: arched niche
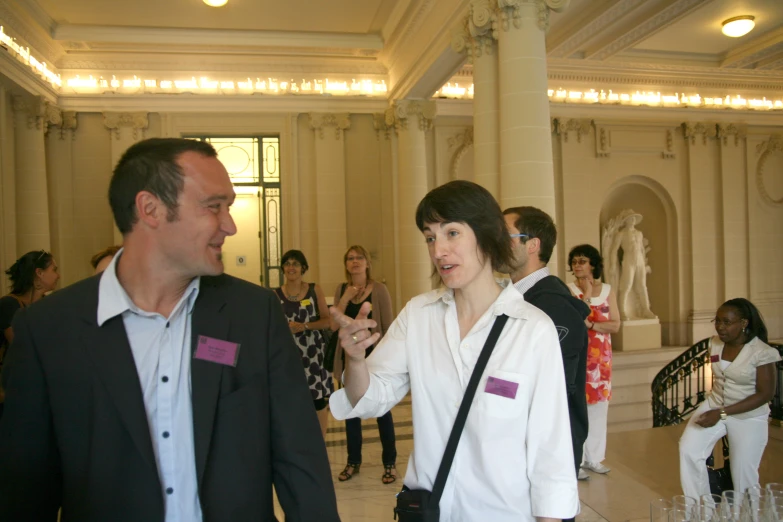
[650,199]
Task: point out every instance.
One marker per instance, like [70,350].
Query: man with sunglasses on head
[533,237]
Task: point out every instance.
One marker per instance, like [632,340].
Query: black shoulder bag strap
[464,409]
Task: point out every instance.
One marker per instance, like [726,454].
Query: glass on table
[659,510]
[731,504]
[709,507]
[684,503]
[682,515]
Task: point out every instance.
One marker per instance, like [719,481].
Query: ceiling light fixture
[216,3]
[737,26]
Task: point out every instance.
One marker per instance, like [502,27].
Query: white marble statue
[625,257]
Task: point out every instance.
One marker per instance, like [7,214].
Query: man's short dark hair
[466,202]
[536,223]
[151,165]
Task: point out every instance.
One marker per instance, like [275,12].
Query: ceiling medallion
[737,26]
[216,3]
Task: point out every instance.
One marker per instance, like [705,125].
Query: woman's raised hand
[354,334]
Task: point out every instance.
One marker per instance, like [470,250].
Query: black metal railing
[681,386]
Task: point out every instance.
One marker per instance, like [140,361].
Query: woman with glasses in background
[743,383]
[358,289]
[32,275]
[304,305]
[587,265]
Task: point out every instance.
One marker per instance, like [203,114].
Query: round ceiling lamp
[737,26]
[216,3]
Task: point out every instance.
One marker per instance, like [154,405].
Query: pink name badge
[500,387]
[217,351]
[715,358]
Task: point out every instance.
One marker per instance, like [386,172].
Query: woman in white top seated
[514,460]
[743,383]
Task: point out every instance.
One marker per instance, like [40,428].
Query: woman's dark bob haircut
[466,202]
[591,253]
[296,255]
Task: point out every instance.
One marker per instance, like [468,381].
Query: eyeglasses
[579,261]
[292,264]
[719,322]
[518,235]
[355,258]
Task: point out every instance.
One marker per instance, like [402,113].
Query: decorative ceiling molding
[751,59]
[209,37]
[772,63]
[754,50]
[37,13]
[409,23]
[646,28]
[25,27]
[569,40]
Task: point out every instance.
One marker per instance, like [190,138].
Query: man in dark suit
[533,238]
[162,390]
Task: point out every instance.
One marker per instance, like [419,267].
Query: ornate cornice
[730,129]
[772,146]
[340,122]
[509,12]
[137,121]
[39,112]
[583,33]
[693,129]
[562,127]
[36,37]
[380,125]
[671,13]
[408,25]
[397,115]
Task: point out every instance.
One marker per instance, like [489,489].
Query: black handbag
[420,505]
[720,479]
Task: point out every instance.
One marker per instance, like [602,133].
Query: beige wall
[713,234]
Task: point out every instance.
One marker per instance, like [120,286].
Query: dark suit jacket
[75,432]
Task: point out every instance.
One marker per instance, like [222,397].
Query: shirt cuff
[555,502]
[341,407]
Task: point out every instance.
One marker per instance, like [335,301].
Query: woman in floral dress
[604,319]
[304,305]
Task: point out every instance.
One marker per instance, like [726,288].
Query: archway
[650,199]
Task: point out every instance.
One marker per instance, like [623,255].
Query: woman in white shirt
[743,383]
[514,460]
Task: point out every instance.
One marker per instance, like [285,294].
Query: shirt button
[165,434]
[164,378]
[169,491]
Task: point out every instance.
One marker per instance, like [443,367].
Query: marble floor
[644,467]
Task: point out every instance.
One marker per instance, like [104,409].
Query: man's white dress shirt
[161,350]
[514,460]
[530,280]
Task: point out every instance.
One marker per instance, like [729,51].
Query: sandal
[349,471]
[389,477]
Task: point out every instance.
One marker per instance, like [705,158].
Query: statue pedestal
[637,334]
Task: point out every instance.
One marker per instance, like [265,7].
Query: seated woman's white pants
[747,440]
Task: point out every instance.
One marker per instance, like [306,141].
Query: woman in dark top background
[348,298]
[304,305]
[32,275]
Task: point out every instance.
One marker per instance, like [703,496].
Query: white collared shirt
[530,280]
[161,350]
[514,460]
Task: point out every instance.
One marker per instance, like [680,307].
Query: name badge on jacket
[715,358]
[217,351]
[501,387]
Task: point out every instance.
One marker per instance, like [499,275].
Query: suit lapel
[110,352]
[209,319]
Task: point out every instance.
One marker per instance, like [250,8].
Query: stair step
[631,411]
[629,425]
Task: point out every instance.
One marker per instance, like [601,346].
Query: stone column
[475,37]
[59,171]
[411,119]
[126,128]
[702,245]
[330,196]
[32,199]
[526,171]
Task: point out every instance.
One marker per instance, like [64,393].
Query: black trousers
[353,430]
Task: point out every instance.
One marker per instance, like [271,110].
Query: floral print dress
[599,348]
[310,342]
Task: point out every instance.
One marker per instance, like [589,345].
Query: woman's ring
[355,339]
